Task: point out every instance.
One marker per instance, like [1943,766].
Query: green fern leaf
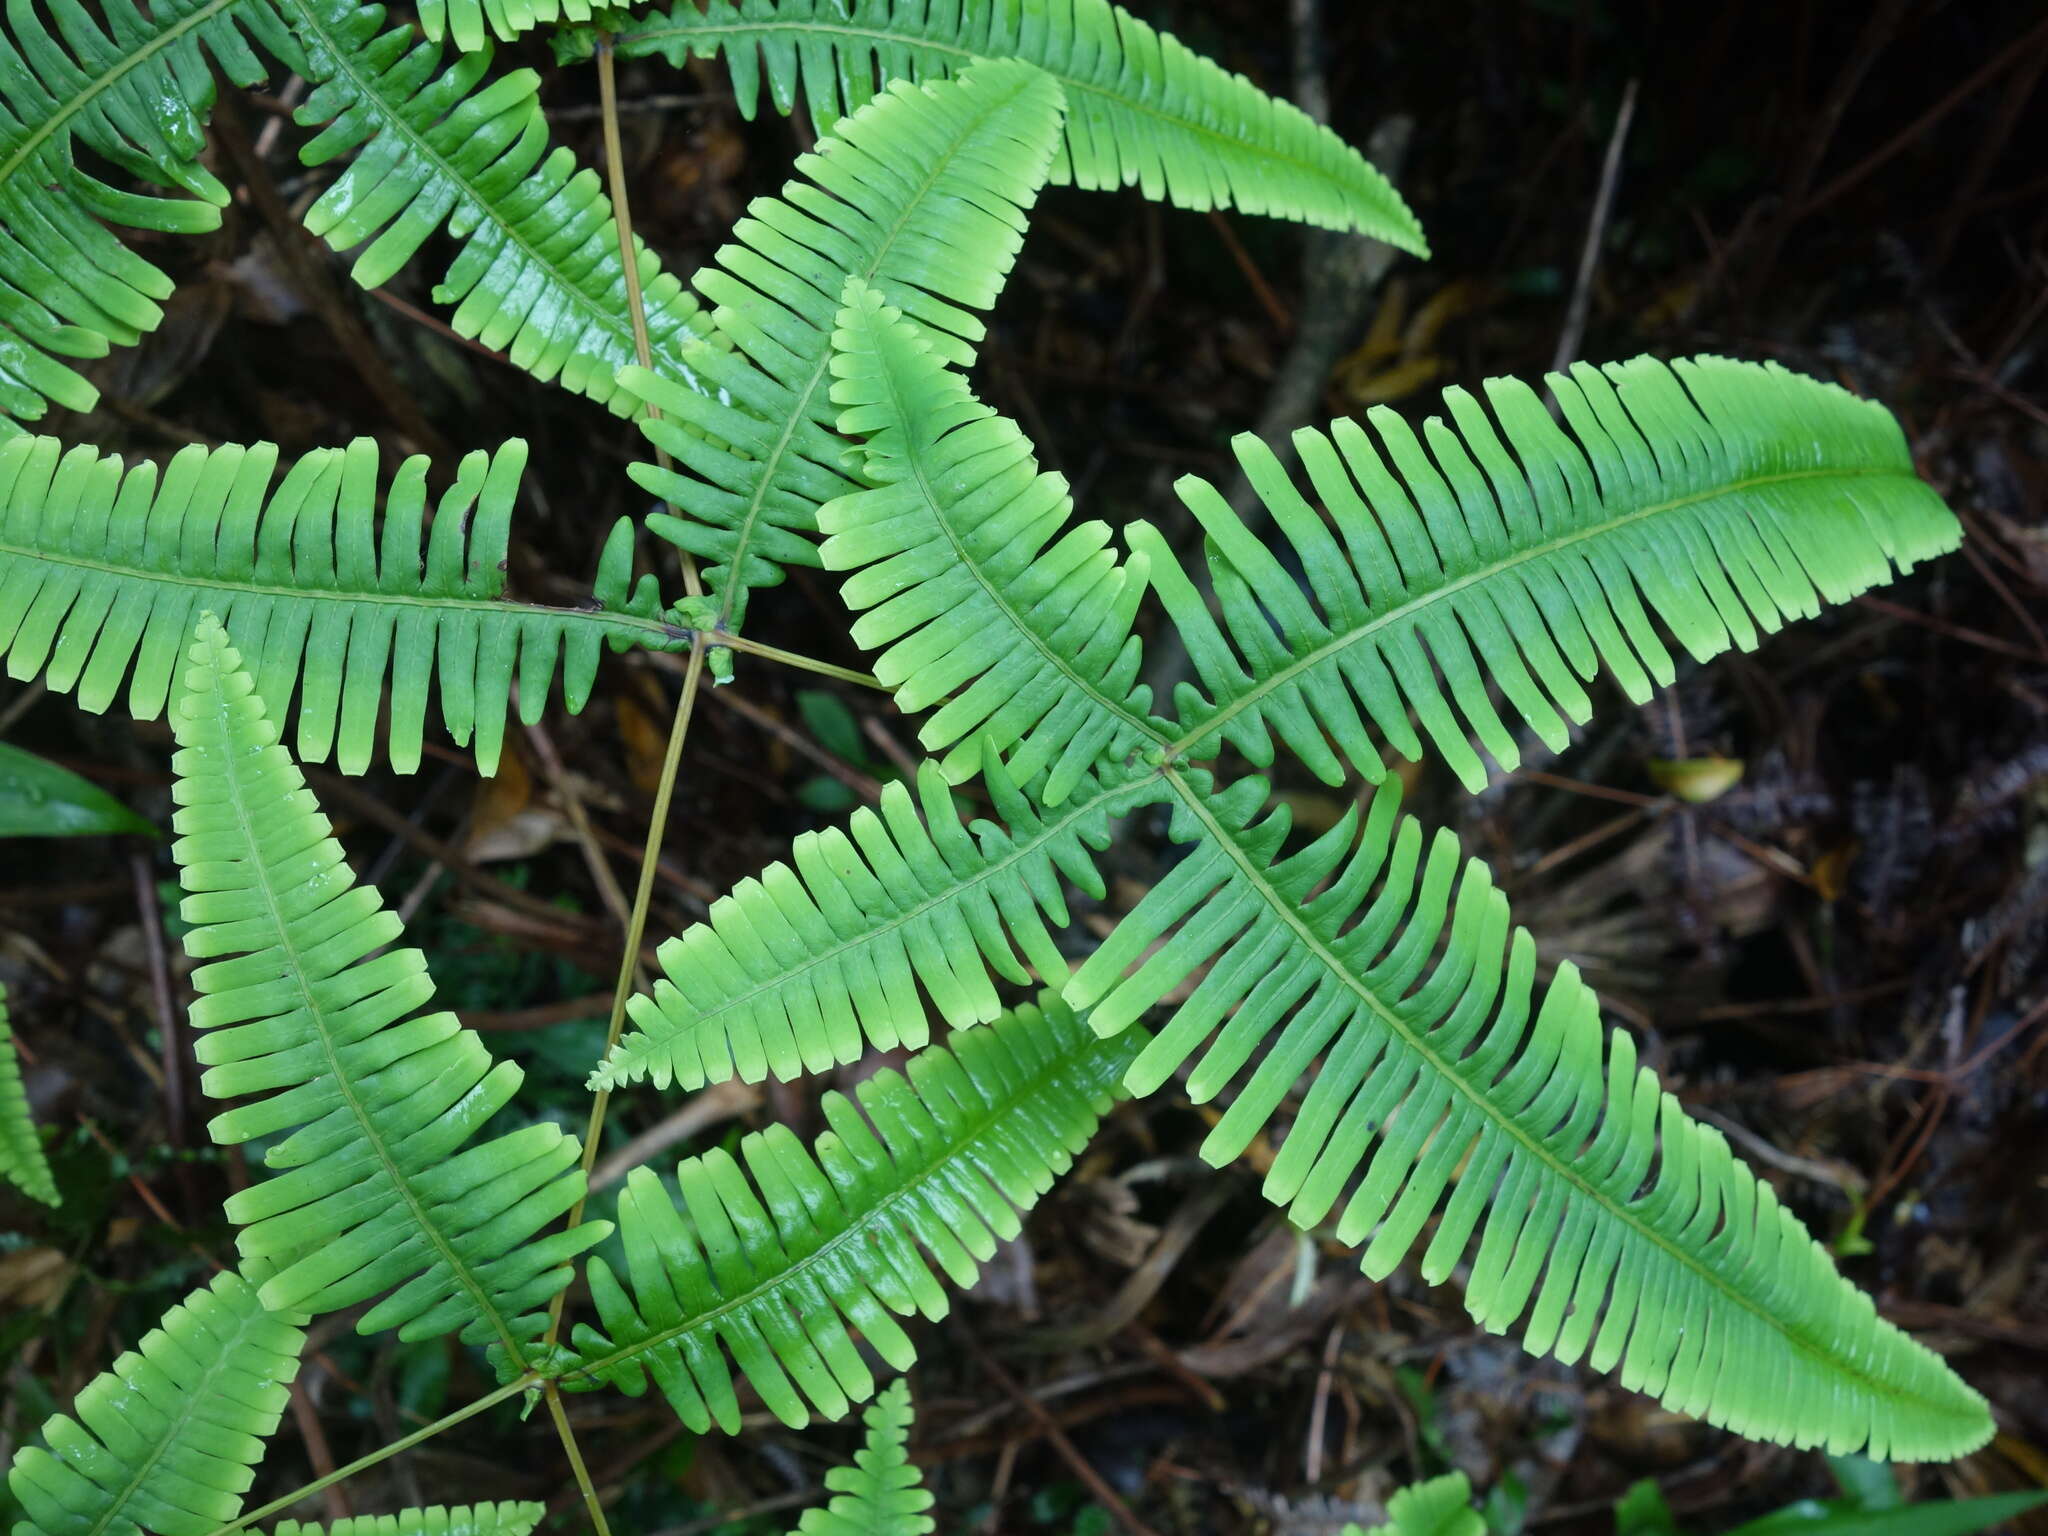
[881,1494]
[968,581]
[538,275]
[506,1519]
[806,968]
[133,86]
[1145,111]
[21,1150]
[373,1188]
[1726,499]
[102,569]
[1459,1098]
[778,1269]
[171,1434]
[1440,1507]
[922,193]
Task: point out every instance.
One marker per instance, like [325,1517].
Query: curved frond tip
[167,1440]
[1387,981]
[967,579]
[103,571]
[1144,110]
[774,1257]
[1720,499]
[305,1014]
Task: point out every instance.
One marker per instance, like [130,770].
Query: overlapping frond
[22,1160]
[968,580]
[1608,1225]
[881,1494]
[1723,499]
[307,1015]
[103,572]
[538,275]
[806,968]
[167,1439]
[503,1519]
[921,193]
[1441,1506]
[764,1268]
[129,81]
[1143,109]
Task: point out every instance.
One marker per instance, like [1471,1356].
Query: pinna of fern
[104,570]
[922,192]
[378,1188]
[768,1268]
[507,1518]
[1144,110]
[132,85]
[23,1162]
[881,1494]
[167,1439]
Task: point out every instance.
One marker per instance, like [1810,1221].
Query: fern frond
[1724,499]
[777,1269]
[921,193]
[1144,110]
[133,85]
[22,1161]
[104,569]
[881,1494]
[1608,1224]
[374,1188]
[968,580]
[538,274]
[806,968]
[170,1434]
[1440,1507]
[505,1519]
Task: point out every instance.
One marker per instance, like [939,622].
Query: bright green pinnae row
[22,1160]
[104,570]
[774,1257]
[1144,110]
[168,1438]
[308,1018]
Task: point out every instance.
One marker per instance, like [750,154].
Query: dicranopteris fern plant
[1359,1000]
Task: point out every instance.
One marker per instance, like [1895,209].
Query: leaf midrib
[749,30]
[1201,807]
[604,619]
[1354,635]
[982,1124]
[317,1017]
[1047,832]
[193,1401]
[99,84]
[821,364]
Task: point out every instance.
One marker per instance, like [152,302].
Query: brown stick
[1068,1451]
